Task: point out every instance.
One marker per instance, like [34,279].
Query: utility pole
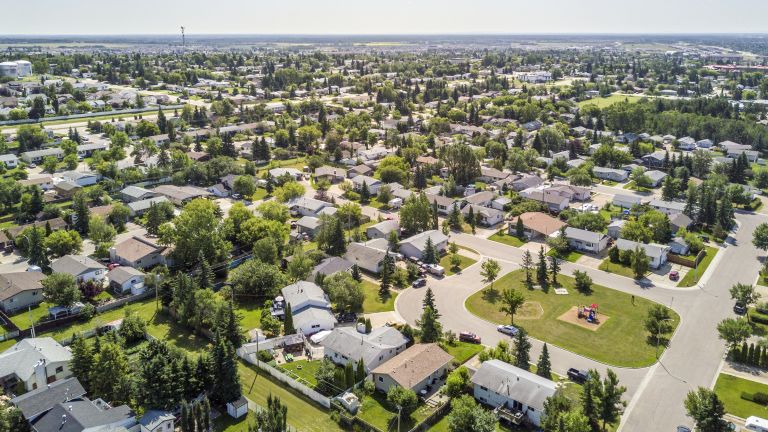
[183,40]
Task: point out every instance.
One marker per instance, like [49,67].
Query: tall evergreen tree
[226,381]
[288,327]
[206,276]
[429,301]
[82,361]
[554,268]
[81,214]
[544,366]
[528,267]
[431,329]
[541,270]
[522,350]
[185,419]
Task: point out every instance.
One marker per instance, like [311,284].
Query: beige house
[20,290]
[139,253]
[415,368]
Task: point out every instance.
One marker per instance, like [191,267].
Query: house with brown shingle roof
[138,252]
[536,224]
[19,290]
[415,368]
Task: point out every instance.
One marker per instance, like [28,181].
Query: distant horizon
[395,17]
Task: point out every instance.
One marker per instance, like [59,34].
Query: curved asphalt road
[655,394]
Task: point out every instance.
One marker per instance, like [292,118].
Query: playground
[615,336]
[584,316]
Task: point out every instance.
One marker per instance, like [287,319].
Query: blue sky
[382,16]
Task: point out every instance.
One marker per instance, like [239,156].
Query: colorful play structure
[589,313]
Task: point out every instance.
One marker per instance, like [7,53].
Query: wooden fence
[677,259]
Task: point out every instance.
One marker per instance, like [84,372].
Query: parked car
[508,330]
[674,275]
[683,429]
[469,337]
[740,309]
[420,282]
[577,375]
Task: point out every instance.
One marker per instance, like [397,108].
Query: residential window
[381,379]
[60,369]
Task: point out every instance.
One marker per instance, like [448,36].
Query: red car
[469,337]
[674,275]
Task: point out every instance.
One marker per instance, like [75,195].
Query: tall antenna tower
[183,39]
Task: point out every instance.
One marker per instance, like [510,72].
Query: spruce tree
[360,370]
[349,375]
[544,366]
[365,194]
[520,228]
[528,266]
[226,381]
[554,268]
[522,350]
[429,252]
[431,330]
[82,360]
[206,274]
[185,421]
[205,413]
[429,301]
[541,271]
[356,273]
[288,321]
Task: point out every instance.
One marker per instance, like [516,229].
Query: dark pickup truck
[578,376]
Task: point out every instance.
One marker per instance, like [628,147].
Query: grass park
[621,340]
[603,102]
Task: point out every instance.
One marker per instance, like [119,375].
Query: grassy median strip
[621,340]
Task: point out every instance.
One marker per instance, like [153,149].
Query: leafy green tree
[511,301]
[658,322]
[611,405]
[744,294]
[706,410]
[257,279]
[61,289]
[197,229]
[274,210]
[457,382]
[416,214]
[244,185]
[490,271]
[50,163]
[344,291]
[583,283]
[461,163]
[640,263]
[272,419]
[102,234]
[734,331]
[404,398]
[467,415]
[63,242]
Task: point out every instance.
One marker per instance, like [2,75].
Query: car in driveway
[435,269]
[508,330]
[740,309]
[578,376]
[674,275]
[470,337]
[420,282]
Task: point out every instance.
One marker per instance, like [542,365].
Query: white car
[508,330]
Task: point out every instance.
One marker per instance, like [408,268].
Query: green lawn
[4,345]
[303,369]
[510,240]
[374,302]
[571,256]
[22,319]
[621,340]
[445,262]
[762,279]
[729,389]
[259,195]
[689,279]
[303,414]
[442,426]
[603,102]
[632,186]
[250,313]
[462,351]
[226,423]
[617,268]
[376,410]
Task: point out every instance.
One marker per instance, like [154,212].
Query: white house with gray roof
[310,307]
[656,253]
[416,245]
[81,267]
[500,384]
[668,207]
[34,362]
[306,206]
[368,256]
[588,241]
[382,229]
[345,344]
[131,194]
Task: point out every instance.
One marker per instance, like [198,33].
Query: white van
[756,424]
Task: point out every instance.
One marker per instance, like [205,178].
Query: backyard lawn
[729,389]
[445,262]
[621,339]
[689,279]
[617,268]
[376,410]
[303,369]
[250,313]
[462,351]
[510,240]
[303,415]
[374,302]
[225,423]
[571,256]
[22,318]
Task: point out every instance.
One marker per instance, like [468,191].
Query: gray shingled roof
[514,383]
[38,401]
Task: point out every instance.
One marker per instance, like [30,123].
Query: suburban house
[19,290]
[33,363]
[83,268]
[751,155]
[686,143]
[667,207]
[138,208]
[126,279]
[573,193]
[679,220]
[654,160]
[277,173]
[180,195]
[345,344]
[614,228]
[86,415]
[81,178]
[310,307]
[536,224]
[656,177]
[626,201]
[679,246]
[44,182]
[9,160]
[616,175]
[361,169]
[490,175]
[416,245]
[37,402]
[37,156]
[218,190]
[482,198]
[484,216]
[554,202]
[331,265]
[526,181]
[332,174]
[66,189]
[444,204]
[366,256]
[382,229]
[500,384]
[308,225]
[371,183]
[157,421]
[306,206]
[657,254]
[131,194]
[727,146]
[138,252]
[417,367]
[587,241]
